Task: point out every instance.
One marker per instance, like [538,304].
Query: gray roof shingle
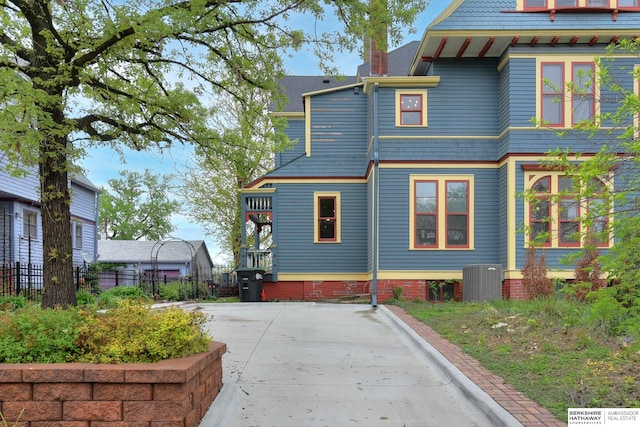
[295,86]
[132,251]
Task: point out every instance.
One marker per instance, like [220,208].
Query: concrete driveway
[308,364]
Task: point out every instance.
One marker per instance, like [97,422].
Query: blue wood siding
[521,92]
[339,123]
[460,149]
[295,224]
[504,97]
[28,250]
[295,130]
[464,103]
[503,200]
[394,223]
[26,187]
[83,203]
[83,210]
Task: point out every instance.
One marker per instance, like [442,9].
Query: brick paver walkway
[525,410]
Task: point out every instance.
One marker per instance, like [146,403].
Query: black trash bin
[250,284]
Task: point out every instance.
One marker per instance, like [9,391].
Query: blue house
[21,225]
[409,172]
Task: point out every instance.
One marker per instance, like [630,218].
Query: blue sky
[102,164]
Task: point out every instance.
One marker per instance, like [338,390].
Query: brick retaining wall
[170,393]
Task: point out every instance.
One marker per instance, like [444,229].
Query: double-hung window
[567,93]
[583,94]
[553,87]
[537,5]
[30,224]
[77,234]
[441,212]
[411,108]
[327,217]
[426,214]
[568,213]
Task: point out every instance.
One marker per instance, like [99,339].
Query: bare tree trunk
[53,162]
[59,289]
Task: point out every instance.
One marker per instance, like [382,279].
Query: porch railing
[259,258]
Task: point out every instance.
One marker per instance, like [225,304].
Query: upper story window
[327,217]
[553,94]
[411,108]
[77,235]
[30,224]
[568,93]
[441,212]
[583,97]
[537,5]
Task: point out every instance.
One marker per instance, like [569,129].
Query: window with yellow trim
[567,92]
[557,217]
[537,5]
[441,212]
[411,108]
[327,217]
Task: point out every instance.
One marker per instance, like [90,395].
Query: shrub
[12,303]
[110,298]
[34,335]
[130,333]
[171,291]
[534,275]
[397,293]
[85,298]
[134,333]
[588,271]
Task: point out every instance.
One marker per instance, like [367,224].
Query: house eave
[400,81]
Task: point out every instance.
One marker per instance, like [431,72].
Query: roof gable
[483,28]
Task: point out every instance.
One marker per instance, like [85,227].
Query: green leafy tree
[138,206]
[136,74]
[212,185]
[616,164]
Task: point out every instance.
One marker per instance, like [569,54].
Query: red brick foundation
[411,290]
[513,289]
[171,393]
[318,290]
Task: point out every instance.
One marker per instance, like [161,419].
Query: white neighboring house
[21,218]
[169,260]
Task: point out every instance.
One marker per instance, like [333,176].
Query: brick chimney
[378,58]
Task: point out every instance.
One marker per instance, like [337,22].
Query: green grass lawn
[546,348]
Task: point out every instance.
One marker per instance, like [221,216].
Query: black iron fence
[26,279]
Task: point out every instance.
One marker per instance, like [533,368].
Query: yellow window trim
[423,93]
[551,4]
[532,177]
[568,77]
[316,214]
[442,196]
